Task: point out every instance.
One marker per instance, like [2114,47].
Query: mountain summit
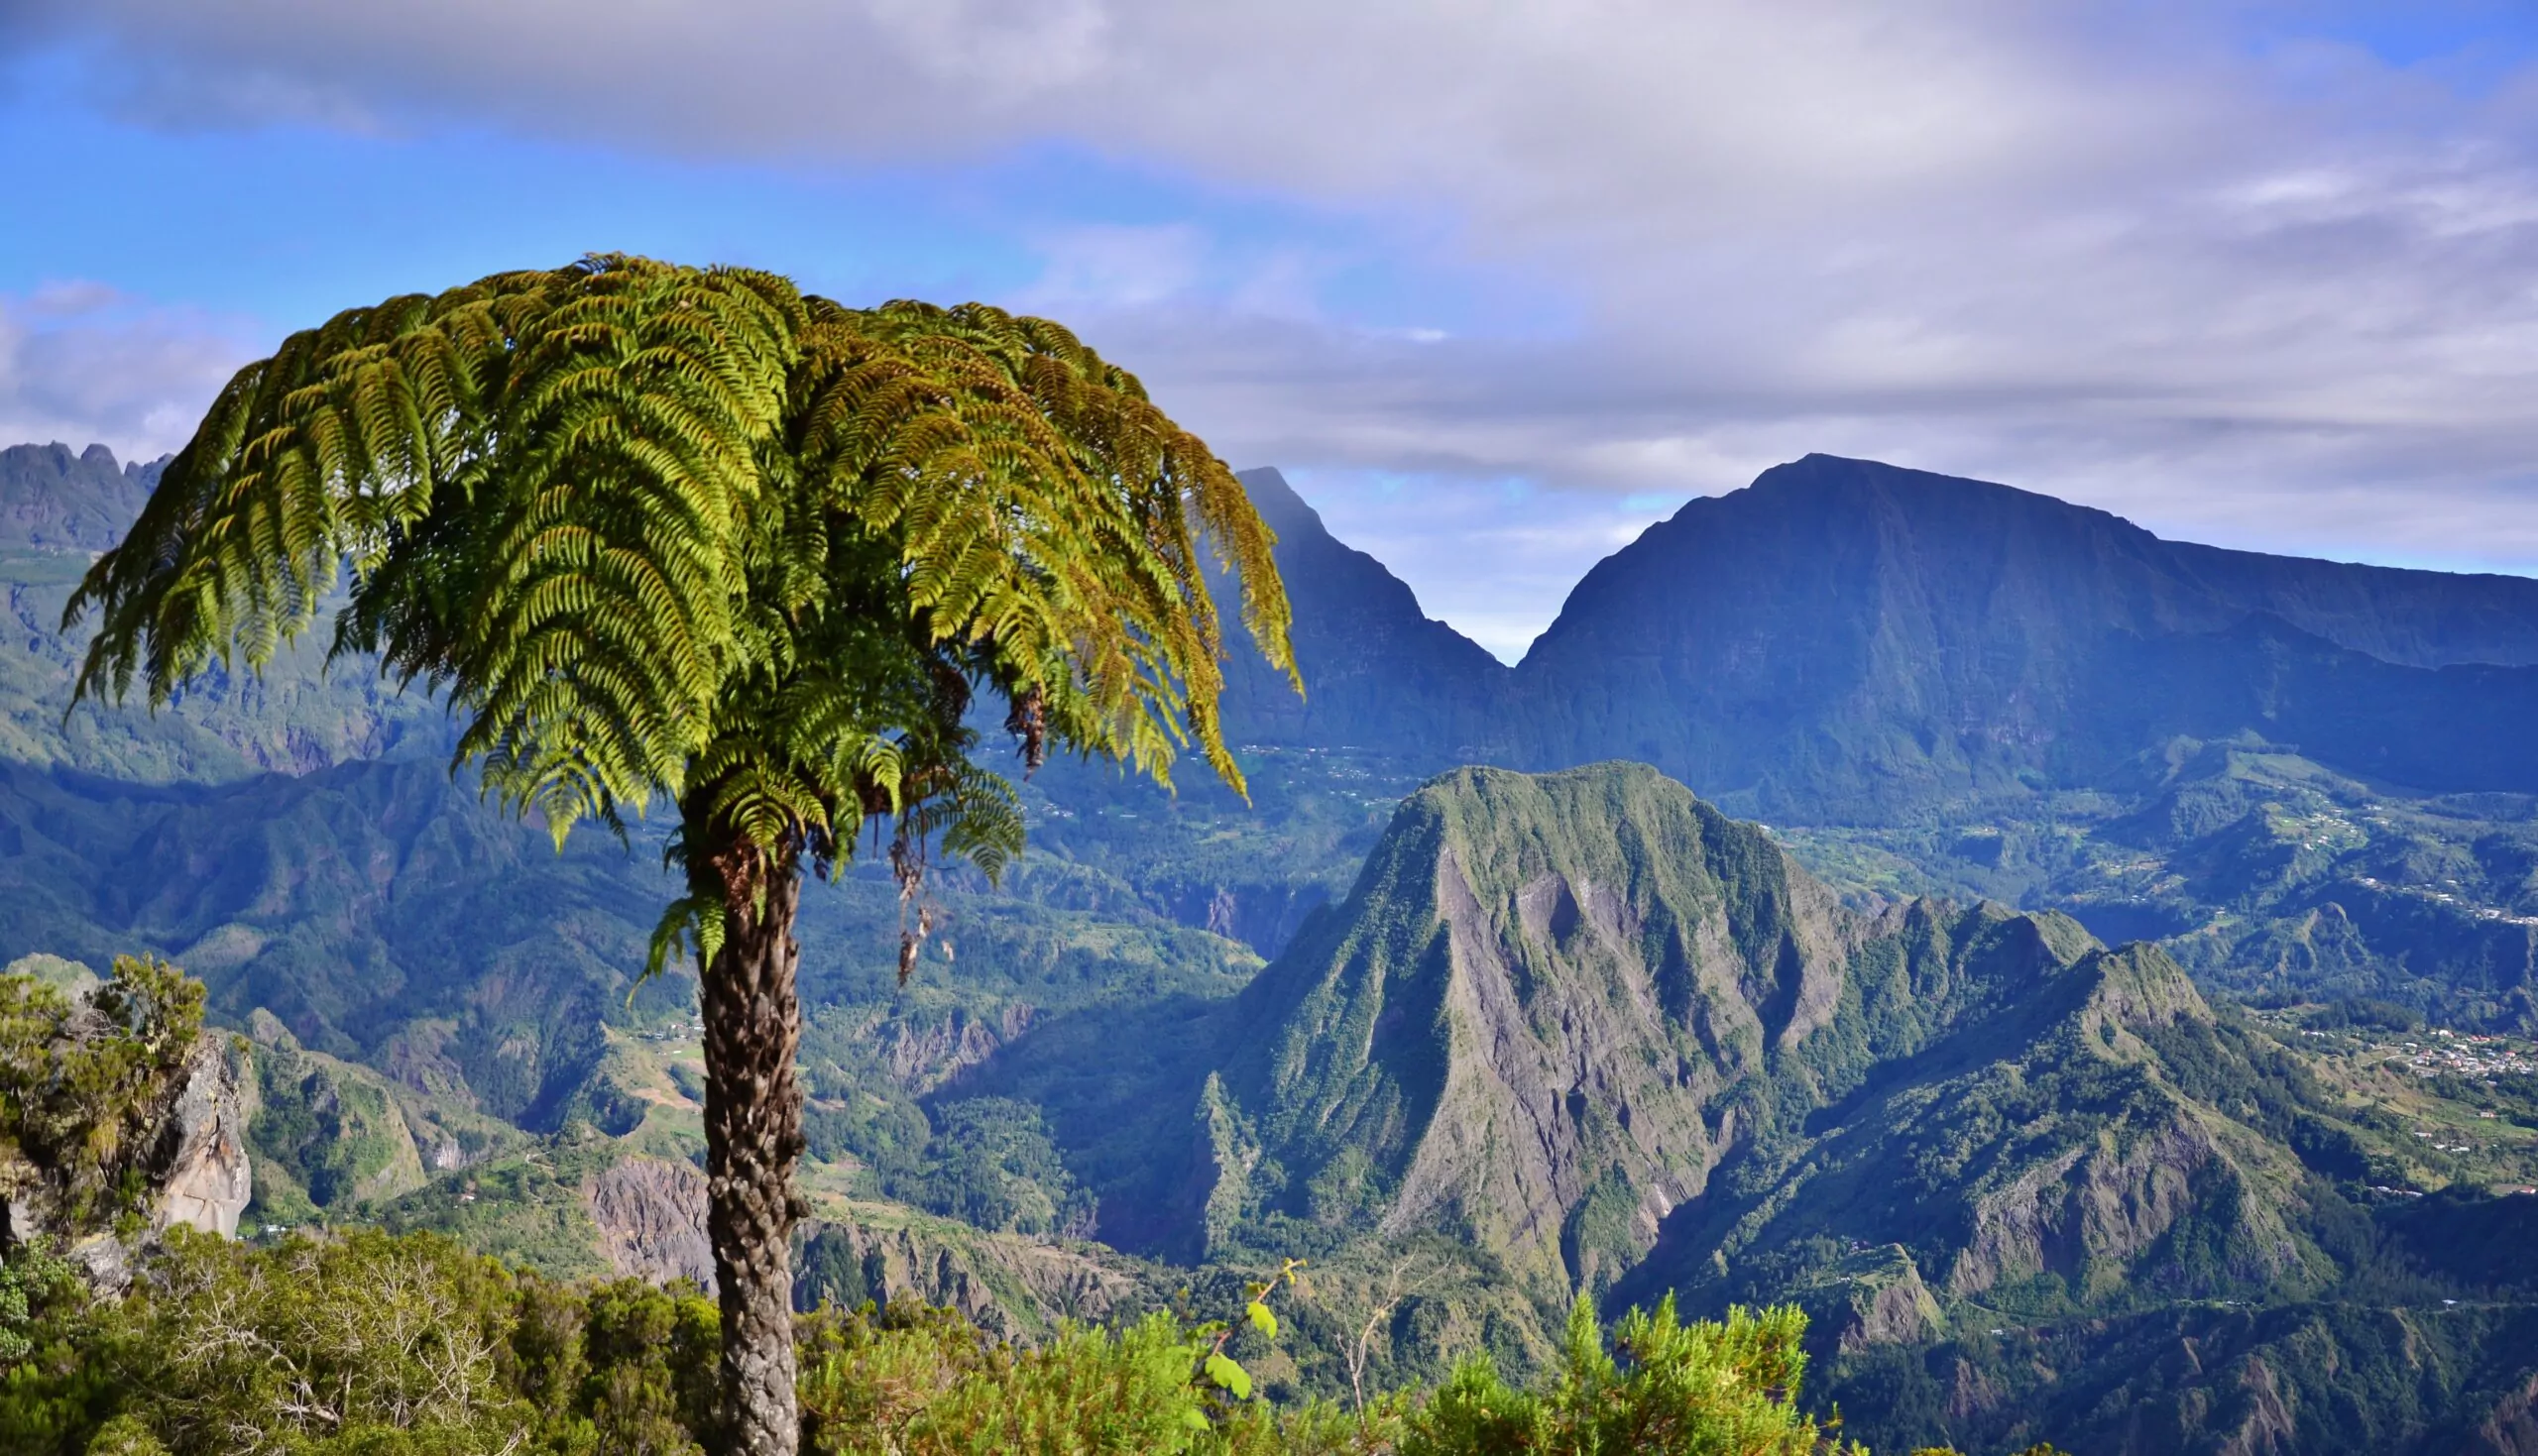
[1850,640]
[1379,673]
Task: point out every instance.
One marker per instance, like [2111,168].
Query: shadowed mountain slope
[1379,674]
[1848,640]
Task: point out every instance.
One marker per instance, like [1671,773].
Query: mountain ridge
[1379,671]
[1850,641]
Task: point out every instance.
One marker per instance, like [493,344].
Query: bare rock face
[1892,1306]
[2268,1428]
[650,1215]
[104,1263]
[2511,1427]
[1010,1287]
[196,1164]
[199,1163]
[1567,1078]
[923,1059]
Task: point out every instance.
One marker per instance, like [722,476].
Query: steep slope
[54,500]
[2071,1151]
[1848,640]
[1550,1009]
[1379,674]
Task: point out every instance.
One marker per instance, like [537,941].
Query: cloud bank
[2236,279]
[81,364]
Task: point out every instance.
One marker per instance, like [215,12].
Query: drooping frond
[348,434]
[661,531]
[1048,516]
[544,483]
[609,574]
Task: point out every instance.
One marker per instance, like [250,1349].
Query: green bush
[364,1343]
[932,1385]
[373,1344]
[1662,1388]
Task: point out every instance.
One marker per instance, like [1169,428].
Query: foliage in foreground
[374,1343]
[83,1080]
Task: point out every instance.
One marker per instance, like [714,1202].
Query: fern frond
[688,533]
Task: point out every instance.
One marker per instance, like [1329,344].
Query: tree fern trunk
[752,1138]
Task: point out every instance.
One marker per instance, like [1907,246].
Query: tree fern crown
[668,532]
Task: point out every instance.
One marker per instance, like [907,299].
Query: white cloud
[1106,268]
[2270,291]
[81,364]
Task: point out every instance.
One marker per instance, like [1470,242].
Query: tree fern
[689,536]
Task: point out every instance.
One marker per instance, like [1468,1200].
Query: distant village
[2462,1054]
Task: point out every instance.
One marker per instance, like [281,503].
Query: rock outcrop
[1013,1288]
[176,1132]
[651,1215]
[199,1165]
[2511,1427]
[650,1218]
[1885,1303]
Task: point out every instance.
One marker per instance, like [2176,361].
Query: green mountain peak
[1555,1005]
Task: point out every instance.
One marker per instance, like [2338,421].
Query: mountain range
[1845,641]
[2085,1041]
[1583,1032]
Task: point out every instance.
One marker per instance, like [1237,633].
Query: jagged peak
[1277,502]
[2132,989]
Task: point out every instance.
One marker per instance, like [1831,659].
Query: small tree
[686,535]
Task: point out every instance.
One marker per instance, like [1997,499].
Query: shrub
[932,1384]
[1664,1387]
[371,1344]
[366,1343]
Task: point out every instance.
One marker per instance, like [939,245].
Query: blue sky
[1495,288]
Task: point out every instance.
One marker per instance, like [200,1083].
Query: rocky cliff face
[650,1217]
[114,1084]
[199,1166]
[1013,1288]
[176,1139]
[650,1213]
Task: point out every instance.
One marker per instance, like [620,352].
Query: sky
[1496,283]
